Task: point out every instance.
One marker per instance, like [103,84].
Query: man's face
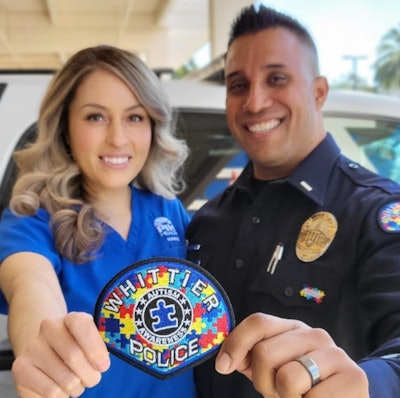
[274,100]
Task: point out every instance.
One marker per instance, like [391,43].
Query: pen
[276,256]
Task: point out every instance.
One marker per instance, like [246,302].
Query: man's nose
[258,98]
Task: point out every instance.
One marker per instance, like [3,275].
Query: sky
[340,28]
[344,27]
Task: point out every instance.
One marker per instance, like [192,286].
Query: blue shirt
[157,229]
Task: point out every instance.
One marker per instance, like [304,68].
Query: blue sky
[344,27]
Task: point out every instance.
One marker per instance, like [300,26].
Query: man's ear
[321,88]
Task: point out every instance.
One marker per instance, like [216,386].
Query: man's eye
[237,86]
[277,80]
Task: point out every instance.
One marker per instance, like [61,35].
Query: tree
[387,65]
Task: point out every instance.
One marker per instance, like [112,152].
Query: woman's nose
[116,134]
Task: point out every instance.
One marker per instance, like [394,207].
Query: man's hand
[265,349]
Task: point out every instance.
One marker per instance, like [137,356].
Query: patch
[316,235]
[163,315]
[166,229]
[389,217]
[312,293]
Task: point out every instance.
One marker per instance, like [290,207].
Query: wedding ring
[311,368]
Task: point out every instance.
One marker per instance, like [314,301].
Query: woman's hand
[67,356]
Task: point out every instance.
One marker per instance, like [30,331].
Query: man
[304,235]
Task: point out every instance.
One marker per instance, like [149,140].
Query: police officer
[305,242]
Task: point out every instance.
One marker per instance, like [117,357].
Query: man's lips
[263,126]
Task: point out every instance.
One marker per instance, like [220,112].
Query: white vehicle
[365,126]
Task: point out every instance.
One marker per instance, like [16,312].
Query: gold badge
[316,235]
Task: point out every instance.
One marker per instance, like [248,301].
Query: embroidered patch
[389,217]
[312,293]
[163,315]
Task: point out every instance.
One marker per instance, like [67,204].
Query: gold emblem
[316,235]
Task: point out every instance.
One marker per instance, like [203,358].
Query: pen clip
[276,257]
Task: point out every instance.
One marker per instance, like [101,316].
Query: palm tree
[387,65]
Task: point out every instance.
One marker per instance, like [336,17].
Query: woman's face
[109,133]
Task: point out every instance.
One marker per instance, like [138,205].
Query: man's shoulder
[363,177]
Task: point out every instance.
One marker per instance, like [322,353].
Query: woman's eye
[96,117]
[135,118]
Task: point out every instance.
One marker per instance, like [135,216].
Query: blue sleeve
[26,234]
[383,376]
[383,370]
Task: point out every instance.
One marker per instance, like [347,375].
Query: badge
[316,235]
[389,217]
[163,315]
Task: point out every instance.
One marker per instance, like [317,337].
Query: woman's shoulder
[26,233]
[40,216]
[152,198]
[158,205]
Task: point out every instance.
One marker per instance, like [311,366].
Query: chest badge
[316,235]
[163,315]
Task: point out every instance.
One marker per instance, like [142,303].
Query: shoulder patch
[389,217]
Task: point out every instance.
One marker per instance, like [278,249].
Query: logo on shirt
[163,315]
[389,217]
[166,229]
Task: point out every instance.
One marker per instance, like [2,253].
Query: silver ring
[311,368]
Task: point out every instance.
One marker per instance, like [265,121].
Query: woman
[105,167]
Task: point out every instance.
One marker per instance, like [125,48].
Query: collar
[310,177]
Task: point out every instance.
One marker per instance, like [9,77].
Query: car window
[212,148]
[373,143]
[10,174]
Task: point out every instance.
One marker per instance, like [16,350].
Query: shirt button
[239,263]
[353,165]
[255,220]
[288,291]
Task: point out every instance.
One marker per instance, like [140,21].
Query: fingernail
[223,363]
[104,364]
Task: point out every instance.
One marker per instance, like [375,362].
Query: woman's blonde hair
[49,178]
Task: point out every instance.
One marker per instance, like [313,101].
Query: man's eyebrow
[232,74]
[268,66]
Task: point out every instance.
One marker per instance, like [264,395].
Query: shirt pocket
[315,285]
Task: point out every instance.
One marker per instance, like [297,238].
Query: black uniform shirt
[339,227]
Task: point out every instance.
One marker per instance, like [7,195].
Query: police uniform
[322,246]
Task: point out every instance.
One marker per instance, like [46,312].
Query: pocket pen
[276,256]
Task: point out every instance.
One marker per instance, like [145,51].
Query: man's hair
[253,20]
